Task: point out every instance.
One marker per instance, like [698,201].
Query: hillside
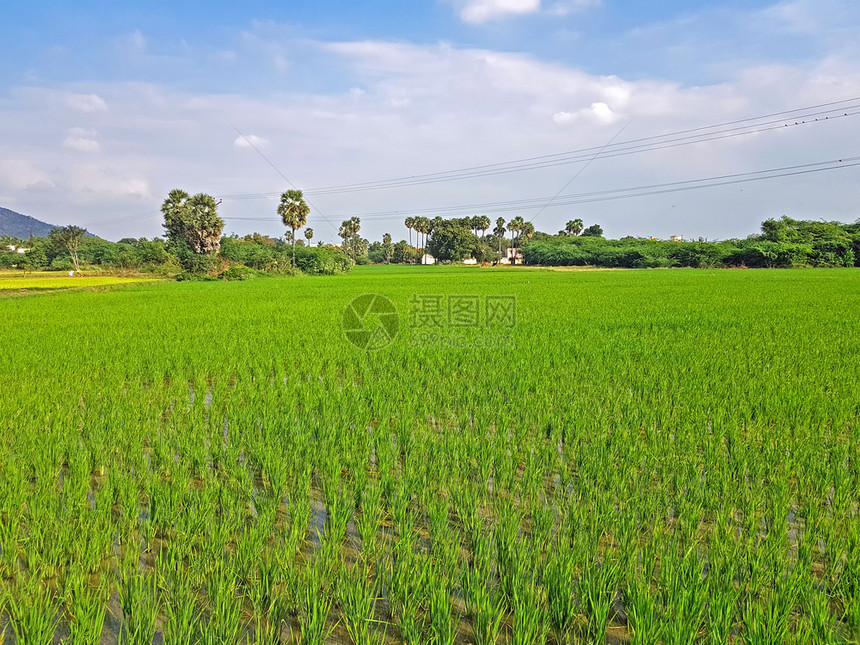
[18,225]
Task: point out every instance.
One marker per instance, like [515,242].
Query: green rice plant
[33,615]
[819,624]
[180,608]
[300,511]
[265,598]
[643,614]
[443,625]
[685,592]
[140,608]
[358,597]
[768,619]
[724,596]
[529,626]
[561,587]
[86,609]
[225,611]
[511,553]
[488,612]
[316,606]
[409,620]
[369,519]
[597,586]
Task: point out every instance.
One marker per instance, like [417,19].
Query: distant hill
[17,225]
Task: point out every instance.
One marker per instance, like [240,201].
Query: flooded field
[649,457]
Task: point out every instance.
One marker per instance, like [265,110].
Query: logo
[370,322]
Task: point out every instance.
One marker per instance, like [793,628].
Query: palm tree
[499,232]
[410,224]
[309,234]
[573,227]
[515,226]
[484,224]
[294,214]
[418,225]
[386,246]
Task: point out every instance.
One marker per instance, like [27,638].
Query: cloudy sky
[547,109]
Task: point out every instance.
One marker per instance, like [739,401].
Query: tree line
[194,245]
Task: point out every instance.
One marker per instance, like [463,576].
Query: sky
[655,118]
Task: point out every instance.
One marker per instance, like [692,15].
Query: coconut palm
[294,214]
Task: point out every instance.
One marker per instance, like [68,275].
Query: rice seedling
[358,595]
[33,614]
[86,609]
[140,608]
[317,603]
[443,625]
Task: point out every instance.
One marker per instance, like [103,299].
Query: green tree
[69,237]
[294,214]
[193,220]
[451,240]
[595,230]
[309,234]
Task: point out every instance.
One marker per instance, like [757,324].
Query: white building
[509,255]
[428,259]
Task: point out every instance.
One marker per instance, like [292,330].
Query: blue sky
[106,106]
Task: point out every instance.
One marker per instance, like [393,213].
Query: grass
[657,456]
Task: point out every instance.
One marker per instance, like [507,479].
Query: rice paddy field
[51,280]
[648,457]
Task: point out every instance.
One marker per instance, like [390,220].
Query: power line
[754,125]
[616,193]
[285,178]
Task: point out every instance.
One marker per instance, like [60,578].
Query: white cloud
[87,103]
[483,11]
[480,11]
[250,141]
[81,144]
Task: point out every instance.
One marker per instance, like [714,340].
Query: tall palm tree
[410,224]
[294,213]
[309,234]
[515,226]
[484,225]
[386,246]
[499,232]
[419,230]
